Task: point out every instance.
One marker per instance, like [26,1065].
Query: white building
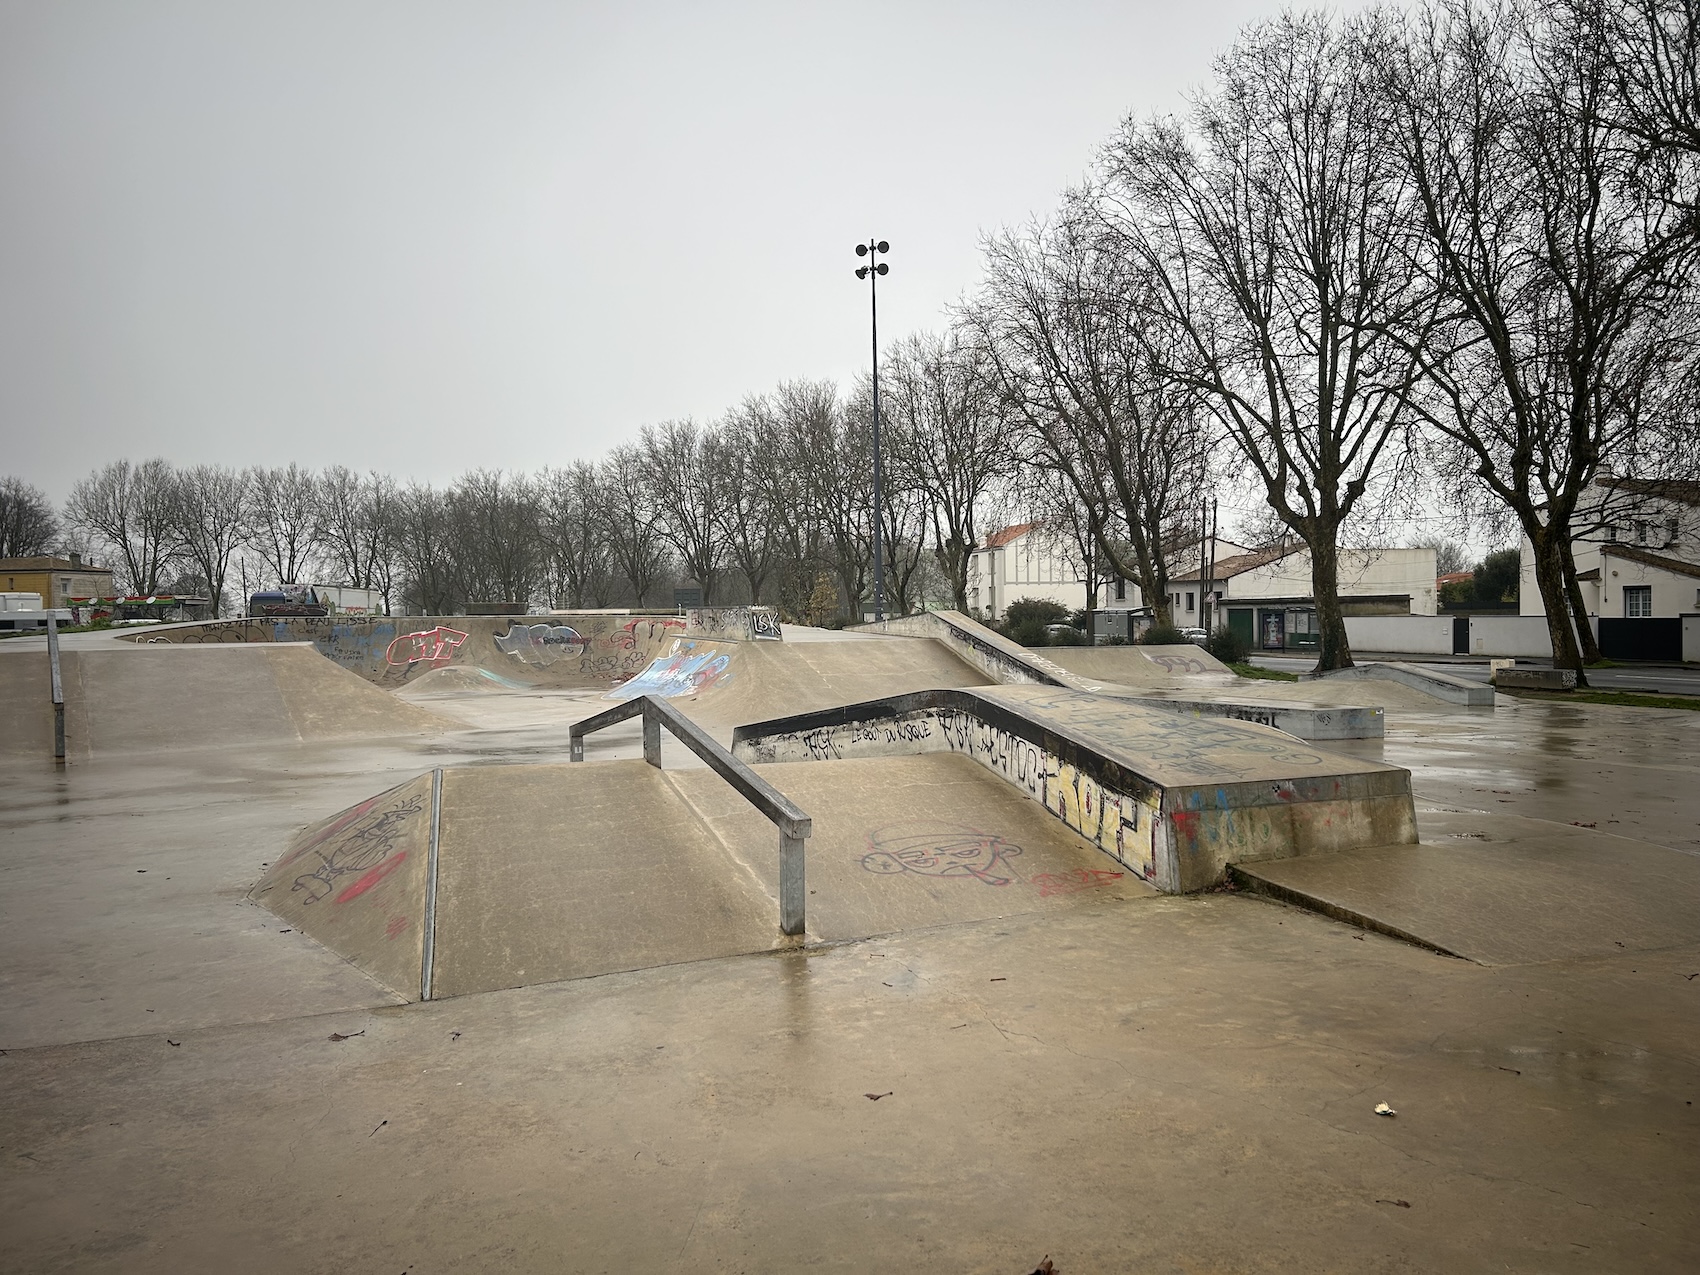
[1638,565]
[1028,560]
[1266,595]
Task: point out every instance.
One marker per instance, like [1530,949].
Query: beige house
[56,579]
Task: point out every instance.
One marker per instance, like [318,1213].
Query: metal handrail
[57,687]
[793,824]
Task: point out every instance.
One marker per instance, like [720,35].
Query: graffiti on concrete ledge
[540,645]
[1176,664]
[940,850]
[764,621]
[647,629]
[433,646]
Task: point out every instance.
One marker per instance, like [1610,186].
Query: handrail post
[651,736]
[56,688]
[791,884]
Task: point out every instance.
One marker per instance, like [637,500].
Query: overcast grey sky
[426,237]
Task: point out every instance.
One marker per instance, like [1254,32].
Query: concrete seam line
[428,957]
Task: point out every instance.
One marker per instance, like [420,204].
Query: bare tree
[633,519]
[207,507]
[28,523]
[425,551]
[128,509]
[285,520]
[793,448]
[686,475]
[1082,349]
[751,541]
[1277,227]
[496,523]
[949,434]
[357,515]
[1571,302]
[574,527]
[904,495]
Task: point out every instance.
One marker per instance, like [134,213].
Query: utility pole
[871,272]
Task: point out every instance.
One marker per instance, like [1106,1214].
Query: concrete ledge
[1302,721]
[1175,800]
[1542,679]
[1443,686]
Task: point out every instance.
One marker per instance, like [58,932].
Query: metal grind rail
[793,824]
[56,687]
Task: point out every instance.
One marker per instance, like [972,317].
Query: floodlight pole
[873,270]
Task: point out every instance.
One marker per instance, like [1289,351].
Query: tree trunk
[1578,609]
[1334,649]
[1549,576]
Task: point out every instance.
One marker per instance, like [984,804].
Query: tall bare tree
[1571,305]
[128,509]
[751,539]
[28,523]
[285,520]
[1276,224]
[686,477]
[633,520]
[357,514]
[950,435]
[574,523]
[498,536]
[207,507]
[425,549]
[1082,348]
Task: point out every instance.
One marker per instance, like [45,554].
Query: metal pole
[791,884]
[879,504]
[651,738]
[56,688]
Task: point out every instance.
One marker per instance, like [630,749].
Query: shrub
[1027,633]
[1162,635]
[1068,637]
[1042,611]
[1228,646]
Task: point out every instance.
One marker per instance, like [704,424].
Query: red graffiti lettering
[433,646]
[371,877]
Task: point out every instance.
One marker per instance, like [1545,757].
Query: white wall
[1508,635]
[1691,637]
[1363,572]
[1401,634]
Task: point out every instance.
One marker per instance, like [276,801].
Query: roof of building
[1589,576]
[1455,577]
[1661,561]
[1228,568]
[1681,490]
[50,564]
[998,539]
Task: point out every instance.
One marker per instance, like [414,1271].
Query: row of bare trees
[1449,250]
[758,506]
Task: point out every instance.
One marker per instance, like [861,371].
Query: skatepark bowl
[619,940]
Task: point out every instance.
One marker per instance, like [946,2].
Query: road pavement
[1670,679]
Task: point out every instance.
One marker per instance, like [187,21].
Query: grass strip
[1257,674]
[1621,699]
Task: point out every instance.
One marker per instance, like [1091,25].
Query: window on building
[1121,589]
[1189,596]
[1640,533]
[1638,601]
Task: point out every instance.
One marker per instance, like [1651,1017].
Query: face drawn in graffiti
[542,644]
[433,646]
[940,850]
[364,851]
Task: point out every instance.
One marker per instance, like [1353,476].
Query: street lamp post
[871,272]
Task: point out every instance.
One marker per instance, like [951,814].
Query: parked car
[1198,637]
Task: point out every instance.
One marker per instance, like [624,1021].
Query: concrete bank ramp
[553,872]
[143,698]
[1161,666]
[1503,890]
[768,679]
[1174,799]
[591,648]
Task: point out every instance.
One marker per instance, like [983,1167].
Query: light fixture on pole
[871,272]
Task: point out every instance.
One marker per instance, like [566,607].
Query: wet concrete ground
[1138,1084]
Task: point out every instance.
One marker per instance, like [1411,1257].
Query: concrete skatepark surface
[1120,1079]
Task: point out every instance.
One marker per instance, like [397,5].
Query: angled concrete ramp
[542,873]
[130,698]
[1174,799]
